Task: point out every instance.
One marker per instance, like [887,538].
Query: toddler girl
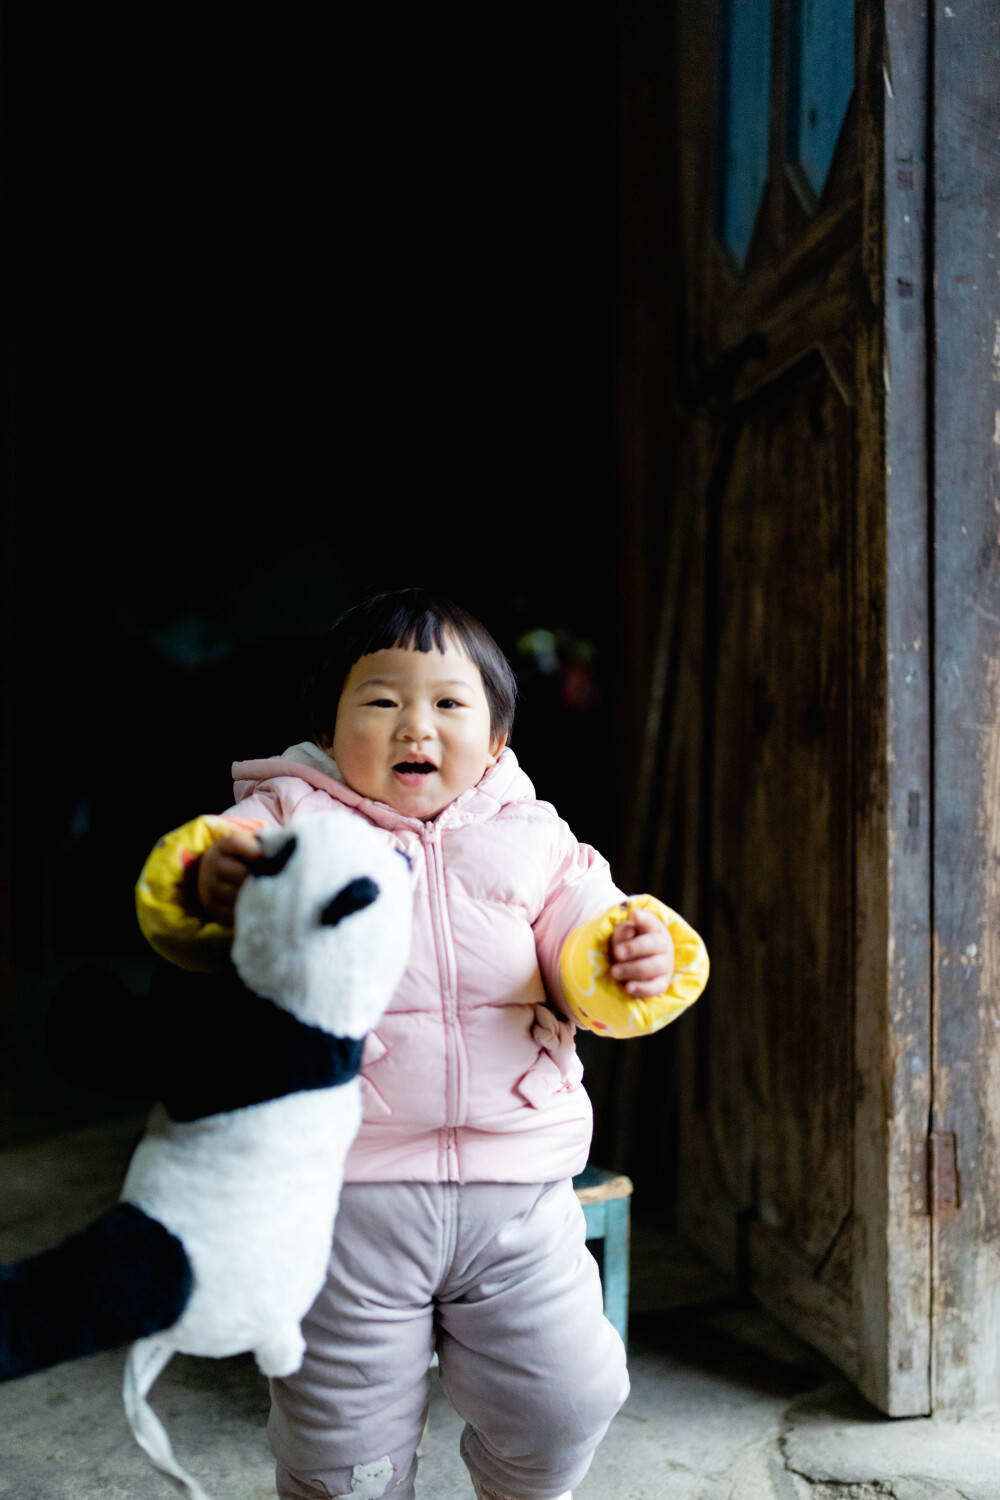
[458,1226]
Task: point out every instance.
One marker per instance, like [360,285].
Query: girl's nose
[414,726]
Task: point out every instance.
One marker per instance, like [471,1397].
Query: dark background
[292,310]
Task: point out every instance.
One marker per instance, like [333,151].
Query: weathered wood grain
[892,739]
[806,1068]
[800,302]
[966,1373]
[869,332]
[781,1055]
[786,1282]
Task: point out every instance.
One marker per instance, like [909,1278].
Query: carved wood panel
[782,836]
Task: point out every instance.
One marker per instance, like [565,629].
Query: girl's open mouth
[413,768]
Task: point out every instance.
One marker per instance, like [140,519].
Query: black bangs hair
[421,621]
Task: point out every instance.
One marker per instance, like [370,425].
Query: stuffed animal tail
[123,1277]
[146,1360]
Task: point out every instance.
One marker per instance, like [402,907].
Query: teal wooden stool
[605,1197]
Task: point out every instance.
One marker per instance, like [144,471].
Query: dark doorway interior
[294,309]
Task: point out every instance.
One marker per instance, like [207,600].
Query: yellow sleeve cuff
[176,934]
[599,1003]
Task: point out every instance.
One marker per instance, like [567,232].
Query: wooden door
[784,781]
[966,528]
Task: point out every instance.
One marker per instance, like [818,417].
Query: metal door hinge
[934,1174]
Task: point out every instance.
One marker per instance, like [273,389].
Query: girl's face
[413,728]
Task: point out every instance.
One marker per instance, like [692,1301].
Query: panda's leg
[282,1353]
[123,1277]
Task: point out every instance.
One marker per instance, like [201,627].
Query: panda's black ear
[356,895]
[273,864]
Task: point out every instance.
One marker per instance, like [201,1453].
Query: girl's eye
[448,703]
[381,703]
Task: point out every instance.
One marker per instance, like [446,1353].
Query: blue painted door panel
[744,109]
[820,82]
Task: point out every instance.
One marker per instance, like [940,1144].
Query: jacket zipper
[455,1059]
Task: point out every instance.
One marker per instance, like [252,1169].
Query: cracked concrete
[836,1443]
[725,1405]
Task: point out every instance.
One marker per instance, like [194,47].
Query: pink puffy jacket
[471,1076]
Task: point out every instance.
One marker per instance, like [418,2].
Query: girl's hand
[642,954]
[221,871]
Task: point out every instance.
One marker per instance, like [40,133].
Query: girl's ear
[497,747]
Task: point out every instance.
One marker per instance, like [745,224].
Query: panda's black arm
[225,1048]
[203,1043]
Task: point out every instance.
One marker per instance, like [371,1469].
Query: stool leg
[616,1266]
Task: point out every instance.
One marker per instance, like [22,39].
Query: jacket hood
[503,784]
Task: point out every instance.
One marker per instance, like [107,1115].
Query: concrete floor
[725,1405]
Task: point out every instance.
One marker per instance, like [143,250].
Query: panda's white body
[252,1194]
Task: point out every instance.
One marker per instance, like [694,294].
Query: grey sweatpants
[498,1276]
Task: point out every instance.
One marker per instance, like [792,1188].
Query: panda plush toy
[221,1238]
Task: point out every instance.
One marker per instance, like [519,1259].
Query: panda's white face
[323,922]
